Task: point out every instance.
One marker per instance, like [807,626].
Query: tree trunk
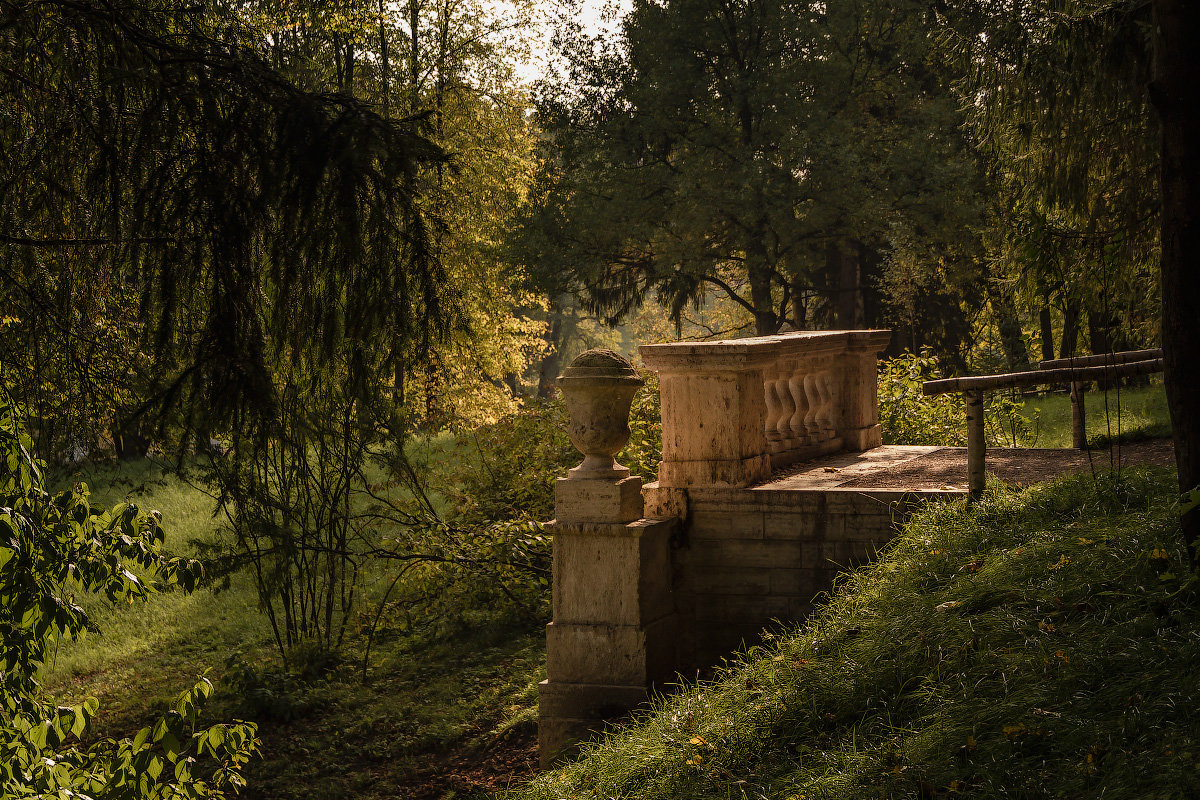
[1012,338]
[548,372]
[848,314]
[1046,325]
[563,325]
[1176,94]
[870,270]
[766,322]
[1070,334]
[796,298]
[1102,325]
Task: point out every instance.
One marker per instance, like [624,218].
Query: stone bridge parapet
[660,581]
[735,411]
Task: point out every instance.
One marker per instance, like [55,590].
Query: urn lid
[600,366]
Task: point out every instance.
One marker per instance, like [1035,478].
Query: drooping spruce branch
[243,219]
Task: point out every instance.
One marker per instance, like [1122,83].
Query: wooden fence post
[976,445]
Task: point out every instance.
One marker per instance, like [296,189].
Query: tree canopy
[742,148]
[163,176]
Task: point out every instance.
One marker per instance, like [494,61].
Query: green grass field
[427,695]
[1045,421]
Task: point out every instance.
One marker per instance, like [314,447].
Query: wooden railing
[734,411]
[1074,371]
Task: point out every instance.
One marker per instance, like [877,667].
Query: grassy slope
[1038,644]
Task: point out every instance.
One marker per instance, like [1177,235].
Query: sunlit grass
[1131,413]
[328,735]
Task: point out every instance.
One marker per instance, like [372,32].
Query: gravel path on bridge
[947,466]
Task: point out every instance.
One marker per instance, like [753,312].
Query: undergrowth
[1042,643]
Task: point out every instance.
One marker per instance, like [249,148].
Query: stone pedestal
[613,636]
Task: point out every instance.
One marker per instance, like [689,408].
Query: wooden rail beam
[1103,359]
[1011,380]
[973,387]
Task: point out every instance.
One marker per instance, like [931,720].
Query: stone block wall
[748,557]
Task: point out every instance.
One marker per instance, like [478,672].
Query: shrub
[53,547]
[507,470]
[906,414]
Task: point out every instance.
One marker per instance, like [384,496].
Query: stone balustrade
[735,411]
[663,580]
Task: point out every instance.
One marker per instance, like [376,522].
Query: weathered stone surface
[735,524]
[593,701]
[599,386]
[709,553]
[733,581]
[865,438]
[799,583]
[713,417]
[715,471]
[603,501]
[733,411]
[614,654]
[665,502]
[789,525]
[620,580]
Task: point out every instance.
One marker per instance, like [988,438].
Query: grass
[1042,643]
[216,621]
[1131,413]
[457,687]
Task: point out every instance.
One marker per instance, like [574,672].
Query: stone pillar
[613,635]
[714,411]
[857,369]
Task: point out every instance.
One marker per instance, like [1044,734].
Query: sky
[591,15]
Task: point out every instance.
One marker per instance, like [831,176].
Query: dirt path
[472,771]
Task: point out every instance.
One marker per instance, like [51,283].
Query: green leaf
[1189,500]
[79,721]
[139,741]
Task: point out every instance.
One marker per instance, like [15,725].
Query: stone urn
[599,387]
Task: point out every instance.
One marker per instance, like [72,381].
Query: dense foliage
[473,533]
[752,151]
[52,549]
[164,178]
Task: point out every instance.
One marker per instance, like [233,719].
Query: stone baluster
[800,405]
[774,411]
[787,407]
[813,393]
[825,413]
